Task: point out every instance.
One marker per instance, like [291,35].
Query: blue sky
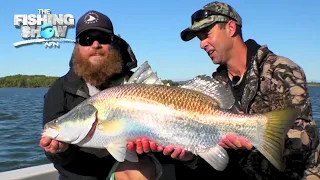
[152,28]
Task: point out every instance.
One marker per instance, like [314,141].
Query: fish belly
[163,128]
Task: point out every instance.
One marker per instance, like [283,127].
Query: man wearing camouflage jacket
[262,81]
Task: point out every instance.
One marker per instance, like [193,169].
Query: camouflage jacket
[271,81]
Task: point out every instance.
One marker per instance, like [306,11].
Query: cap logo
[91,18]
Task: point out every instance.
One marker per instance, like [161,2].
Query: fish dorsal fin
[213,88]
[144,75]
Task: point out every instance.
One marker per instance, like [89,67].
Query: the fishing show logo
[44,27]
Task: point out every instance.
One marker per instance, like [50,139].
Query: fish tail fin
[144,75]
[273,136]
[213,88]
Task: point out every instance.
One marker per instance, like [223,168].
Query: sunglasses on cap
[203,14]
[88,40]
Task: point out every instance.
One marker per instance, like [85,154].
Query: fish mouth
[49,126]
[50,131]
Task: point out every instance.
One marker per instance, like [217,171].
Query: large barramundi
[193,117]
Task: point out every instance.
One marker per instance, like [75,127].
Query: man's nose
[203,44]
[96,44]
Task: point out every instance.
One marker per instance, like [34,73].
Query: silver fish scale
[241,125]
[164,129]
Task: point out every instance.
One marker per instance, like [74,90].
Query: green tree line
[26,81]
[172,83]
[313,83]
[36,81]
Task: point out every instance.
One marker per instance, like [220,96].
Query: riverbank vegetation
[42,81]
[26,81]
[313,83]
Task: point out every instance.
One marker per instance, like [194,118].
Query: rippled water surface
[21,119]
[20,125]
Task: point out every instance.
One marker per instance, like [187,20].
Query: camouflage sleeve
[302,143]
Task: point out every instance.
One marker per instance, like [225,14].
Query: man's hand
[231,141]
[144,145]
[52,146]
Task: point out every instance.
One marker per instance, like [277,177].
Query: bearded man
[99,60]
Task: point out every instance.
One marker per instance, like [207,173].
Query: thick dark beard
[97,75]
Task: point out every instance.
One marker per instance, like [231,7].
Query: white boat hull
[41,172]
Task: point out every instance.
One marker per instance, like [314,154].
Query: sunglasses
[88,40]
[203,33]
[203,14]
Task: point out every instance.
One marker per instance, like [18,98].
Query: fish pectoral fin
[217,157]
[119,151]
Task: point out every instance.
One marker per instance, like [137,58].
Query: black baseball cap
[94,20]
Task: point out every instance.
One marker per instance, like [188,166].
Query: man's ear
[231,27]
